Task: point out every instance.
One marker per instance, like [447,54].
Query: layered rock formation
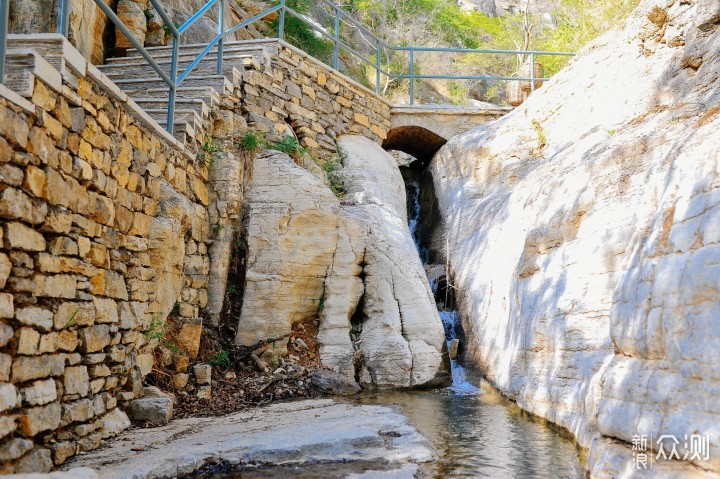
[583,234]
[353,267]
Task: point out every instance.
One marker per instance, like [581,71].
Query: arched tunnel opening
[416,141]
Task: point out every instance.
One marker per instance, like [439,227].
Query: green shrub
[251,142]
[220,359]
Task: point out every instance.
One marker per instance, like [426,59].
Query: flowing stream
[475,430]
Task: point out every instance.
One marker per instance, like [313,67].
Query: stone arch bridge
[422,130]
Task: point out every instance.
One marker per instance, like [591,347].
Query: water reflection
[481,435]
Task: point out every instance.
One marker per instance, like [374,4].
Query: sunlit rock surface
[583,237]
[354,267]
[300,432]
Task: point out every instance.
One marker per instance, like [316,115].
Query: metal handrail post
[532,71]
[281,22]
[336,52]
[4,21]
[377,67]
[221,30]
[412,76]
[63,18]
[173,86]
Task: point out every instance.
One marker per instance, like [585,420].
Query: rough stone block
[74,314]
[27,341]
[38,419]
[15,448]
[40,392]
[157,410]
[203,373]
[36,317]
[76,380]
[9,397]
[114,422]
[109,283]
[22,237]
[188,337]
[25,368]
[94,338]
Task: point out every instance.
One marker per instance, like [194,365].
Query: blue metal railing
[381,48]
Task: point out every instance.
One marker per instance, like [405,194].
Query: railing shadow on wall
[382,50]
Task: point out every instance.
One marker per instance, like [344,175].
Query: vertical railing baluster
[221,31]
[336,52]
[63,19]
[281,23]
[378,65]
[173,86]
[412,76]
[532,71]
[4,19]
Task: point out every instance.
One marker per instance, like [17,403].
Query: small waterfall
[437,273]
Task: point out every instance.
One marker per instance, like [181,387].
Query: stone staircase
[201,91]
[53,60]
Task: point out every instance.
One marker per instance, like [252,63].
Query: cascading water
[448,315]
[475,430]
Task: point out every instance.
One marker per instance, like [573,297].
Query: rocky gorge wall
[582,233]
[104,223]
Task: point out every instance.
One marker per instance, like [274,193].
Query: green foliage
[71,322]
[289,145]
[171,346]
[301,35]
[156,330]
[252,141]
[321,303]
[443,23]
[220,359]
[540,133]
[217,229]
[210,151]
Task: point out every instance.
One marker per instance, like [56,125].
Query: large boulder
[583,239]
[352,268]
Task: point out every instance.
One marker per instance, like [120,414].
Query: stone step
[207,94]
[259,54]
[240,61]
[22,66]
[189,116]
[146,71]
[220,83]
[197,105]
[268,44]
[56,50]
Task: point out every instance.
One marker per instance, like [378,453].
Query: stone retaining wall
[318,103]
[104,225]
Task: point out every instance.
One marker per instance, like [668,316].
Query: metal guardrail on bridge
[173,80]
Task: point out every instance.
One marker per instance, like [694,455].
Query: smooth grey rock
[155,407]
[289,433]
[330,382]
[75,473]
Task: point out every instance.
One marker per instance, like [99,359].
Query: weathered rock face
[354,267]
[87,30]
[504,7]
[297,432]
[583,240]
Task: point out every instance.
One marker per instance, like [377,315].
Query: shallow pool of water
[478,433]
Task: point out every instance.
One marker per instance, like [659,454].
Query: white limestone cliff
[583,239]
